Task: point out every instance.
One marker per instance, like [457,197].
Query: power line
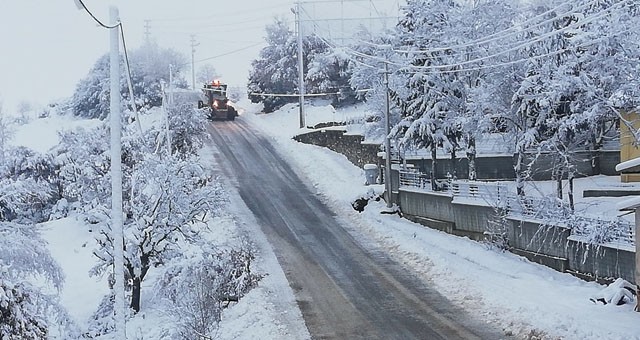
[217,16]
[508,31]
[120,26]
[230,52]
[444,67]
[95,18]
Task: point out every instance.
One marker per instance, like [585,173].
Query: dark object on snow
[359,203]
[619,292]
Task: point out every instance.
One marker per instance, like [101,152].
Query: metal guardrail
[595,230]
[414,179]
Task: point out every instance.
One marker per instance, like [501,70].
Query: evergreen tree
[276,69]
[436,97]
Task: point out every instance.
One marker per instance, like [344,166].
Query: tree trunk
[454,169]
[570,193]
[558,176]
[518,171]
[135,294]
[136,281]
[471,156]
[434,175]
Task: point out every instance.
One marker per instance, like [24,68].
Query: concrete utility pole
[300,64]
[387,141]
[116,176]
[193,61]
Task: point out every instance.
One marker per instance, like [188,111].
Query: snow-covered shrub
[101,321]
[26,312]
[83,162]
[496,236]
[199,288]
[188,129]
[23,200]
[598,231]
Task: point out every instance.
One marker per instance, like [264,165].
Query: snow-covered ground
[525,299]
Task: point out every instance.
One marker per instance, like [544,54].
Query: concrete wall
[351,146]
[552,246]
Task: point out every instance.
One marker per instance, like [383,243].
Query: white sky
[48,45]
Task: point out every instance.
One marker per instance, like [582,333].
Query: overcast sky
[46,46]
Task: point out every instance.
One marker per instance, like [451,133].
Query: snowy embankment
[526,300]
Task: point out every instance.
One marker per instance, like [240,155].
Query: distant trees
[205,74]
[149,66]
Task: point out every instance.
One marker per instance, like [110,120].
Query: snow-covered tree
[329,72]
[275,72]
[205,74]
[436,98]
[149,65]
[26,311]
[488,89]
[167,204]
[276,69]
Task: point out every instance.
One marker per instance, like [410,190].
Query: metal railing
[551,210]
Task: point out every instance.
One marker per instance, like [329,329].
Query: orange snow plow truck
[216,102]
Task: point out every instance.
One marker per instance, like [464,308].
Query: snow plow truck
[216,102]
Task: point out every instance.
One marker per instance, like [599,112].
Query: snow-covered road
[345,289]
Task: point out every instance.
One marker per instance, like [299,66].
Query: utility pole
[116,176]
[166,110]
[147,31]
[387,140]
[193,61]
[300,64]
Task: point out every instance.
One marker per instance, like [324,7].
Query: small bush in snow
[198,289]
